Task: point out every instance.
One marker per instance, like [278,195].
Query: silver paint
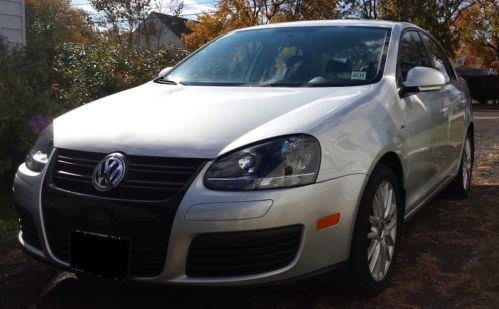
[356,127]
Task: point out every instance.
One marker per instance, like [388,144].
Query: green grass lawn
[8,216]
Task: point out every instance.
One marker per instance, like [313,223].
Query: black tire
[362,281]
[457,189]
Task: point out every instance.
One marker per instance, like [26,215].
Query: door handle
[445,108]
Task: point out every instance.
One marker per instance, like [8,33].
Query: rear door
[450,116]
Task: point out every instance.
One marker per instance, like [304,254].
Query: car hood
[193,121]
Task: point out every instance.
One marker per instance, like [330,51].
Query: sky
[190,11]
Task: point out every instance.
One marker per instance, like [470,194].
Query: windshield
[288,56]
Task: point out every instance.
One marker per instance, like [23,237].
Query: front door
[419,109]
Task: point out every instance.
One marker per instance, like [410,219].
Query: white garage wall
[12,22]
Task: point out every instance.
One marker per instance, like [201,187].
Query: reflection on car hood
[194,121]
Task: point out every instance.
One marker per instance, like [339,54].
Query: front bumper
[204,211]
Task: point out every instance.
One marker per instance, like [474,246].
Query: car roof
[336,22]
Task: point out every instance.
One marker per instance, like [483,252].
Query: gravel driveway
[449,257]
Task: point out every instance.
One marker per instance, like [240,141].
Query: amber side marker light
[327,221]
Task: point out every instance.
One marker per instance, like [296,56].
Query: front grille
[28,229]
[140,210]
[243,253]
[147,178]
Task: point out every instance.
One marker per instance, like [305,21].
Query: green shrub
[91,72]
[23,94]
[46,83]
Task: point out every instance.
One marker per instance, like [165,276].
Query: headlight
[38,156]
[277,163]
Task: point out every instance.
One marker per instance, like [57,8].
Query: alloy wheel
[467,164]
[383,233]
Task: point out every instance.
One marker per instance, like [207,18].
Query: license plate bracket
[100,254]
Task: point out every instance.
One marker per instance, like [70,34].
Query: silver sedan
[272,153]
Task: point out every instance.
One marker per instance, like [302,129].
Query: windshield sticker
[358,75]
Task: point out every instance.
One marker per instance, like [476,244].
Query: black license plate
[100,254]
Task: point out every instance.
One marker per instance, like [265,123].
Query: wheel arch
[391,159]
[471,130]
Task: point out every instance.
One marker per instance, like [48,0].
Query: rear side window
[440,61]
[412,53]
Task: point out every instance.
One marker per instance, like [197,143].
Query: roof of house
[177,25]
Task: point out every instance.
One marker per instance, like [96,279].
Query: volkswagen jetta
[272,153]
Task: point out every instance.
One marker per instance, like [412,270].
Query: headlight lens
[278,163]
[38,156]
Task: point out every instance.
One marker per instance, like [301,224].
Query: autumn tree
[373,9]
[309,10]
[127,19]
[123,16]
[438,17]
[478,28]
[395,10]
[365,9]
[50,22]
[28,83]
[234,14]
[230,15]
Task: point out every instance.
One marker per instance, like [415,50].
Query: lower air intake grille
[145,225]
[28,229]
[243,253]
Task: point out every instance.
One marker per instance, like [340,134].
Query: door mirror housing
[423,79]
[164,71]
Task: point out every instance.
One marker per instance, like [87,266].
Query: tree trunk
[404,16]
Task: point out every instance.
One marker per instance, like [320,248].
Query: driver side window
[412,53]
[440,60]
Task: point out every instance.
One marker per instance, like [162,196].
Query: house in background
[12,22]
[160,29]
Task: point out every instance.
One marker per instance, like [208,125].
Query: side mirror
[164,71]
[423,79]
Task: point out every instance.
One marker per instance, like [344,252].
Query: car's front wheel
[376,233]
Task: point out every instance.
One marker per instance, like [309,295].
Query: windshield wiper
[282,85]
[161,80]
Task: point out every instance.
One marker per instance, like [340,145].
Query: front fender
[355,137]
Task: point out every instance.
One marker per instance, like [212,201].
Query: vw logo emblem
[109,172]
